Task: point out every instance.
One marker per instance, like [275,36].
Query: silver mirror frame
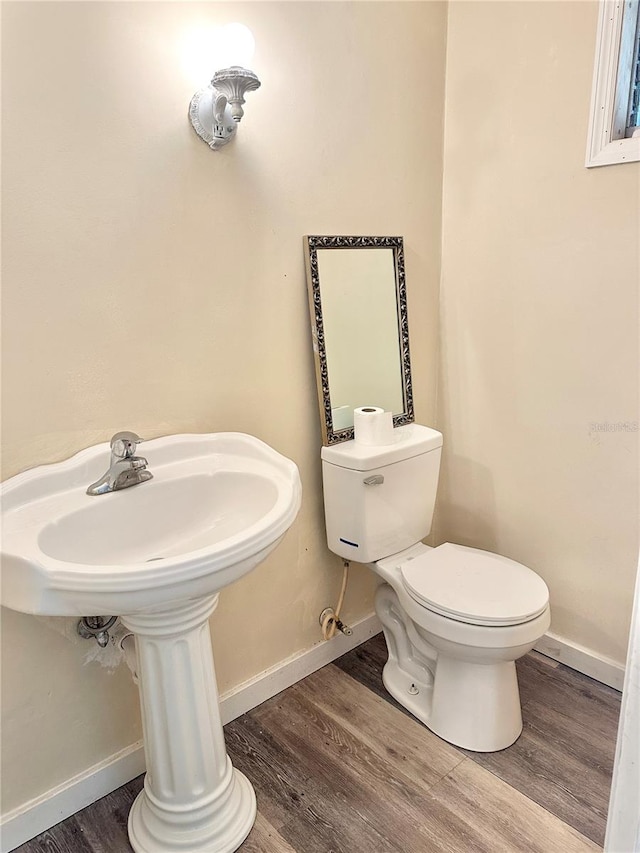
[312,243]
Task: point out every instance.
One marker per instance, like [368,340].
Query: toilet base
[473,703]
[476,706]
[495,721]
[479,711]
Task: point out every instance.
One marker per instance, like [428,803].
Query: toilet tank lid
[409,440]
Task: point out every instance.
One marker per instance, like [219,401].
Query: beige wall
[151,284]
[539,311]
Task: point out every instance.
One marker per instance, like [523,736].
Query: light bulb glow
[205,50]
[197,55]
[234,45]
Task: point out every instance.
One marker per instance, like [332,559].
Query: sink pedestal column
[193,800]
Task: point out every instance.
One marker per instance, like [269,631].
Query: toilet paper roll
[373,426]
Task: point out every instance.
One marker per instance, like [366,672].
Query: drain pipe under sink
[124,640]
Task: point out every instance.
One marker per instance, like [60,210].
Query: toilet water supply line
[330,618]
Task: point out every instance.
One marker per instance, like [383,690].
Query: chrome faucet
[126,468]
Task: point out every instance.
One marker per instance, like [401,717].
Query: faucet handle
[123,444]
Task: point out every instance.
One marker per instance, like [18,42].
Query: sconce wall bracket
[211,117]
[216,111]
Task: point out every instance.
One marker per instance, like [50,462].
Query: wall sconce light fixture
[216,111]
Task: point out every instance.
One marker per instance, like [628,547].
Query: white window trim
[601,149]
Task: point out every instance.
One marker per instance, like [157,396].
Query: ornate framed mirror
[358,305]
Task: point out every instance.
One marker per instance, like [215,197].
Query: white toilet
[455,619]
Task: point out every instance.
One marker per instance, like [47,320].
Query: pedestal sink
[157,554]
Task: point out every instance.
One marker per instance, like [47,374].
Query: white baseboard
[272,681]
[585,660]
[45,811]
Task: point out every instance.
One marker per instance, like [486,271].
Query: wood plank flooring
[340,767]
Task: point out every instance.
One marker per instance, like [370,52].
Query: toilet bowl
[455,619]
[457,675]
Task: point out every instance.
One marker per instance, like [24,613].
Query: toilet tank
[380,500]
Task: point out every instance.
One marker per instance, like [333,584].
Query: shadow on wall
[474,522]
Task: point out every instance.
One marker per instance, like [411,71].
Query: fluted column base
[214,827]
[193,800]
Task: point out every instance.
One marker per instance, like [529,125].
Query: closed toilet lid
[474,586]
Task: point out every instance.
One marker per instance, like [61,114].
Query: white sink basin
[216,506]
[157,554]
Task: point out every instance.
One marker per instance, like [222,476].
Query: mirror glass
[358,303]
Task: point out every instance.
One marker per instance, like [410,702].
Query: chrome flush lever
[374,480]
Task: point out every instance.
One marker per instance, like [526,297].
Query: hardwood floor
[339,767]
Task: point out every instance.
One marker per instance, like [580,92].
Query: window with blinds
[614,129]
[634,98]
[625,119]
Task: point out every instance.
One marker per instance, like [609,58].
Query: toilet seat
[474,586]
